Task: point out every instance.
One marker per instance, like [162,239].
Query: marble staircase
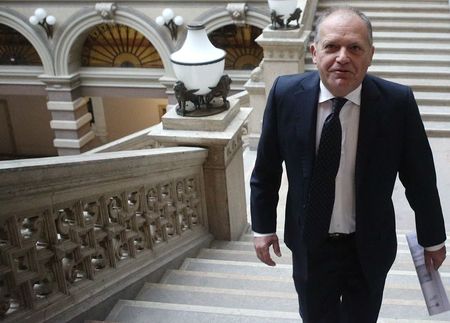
[412,46]
[226,283]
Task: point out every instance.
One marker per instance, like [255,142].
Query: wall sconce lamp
[40,18]
[171,21]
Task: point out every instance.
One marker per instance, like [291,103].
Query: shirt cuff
[436,247]
[256,234]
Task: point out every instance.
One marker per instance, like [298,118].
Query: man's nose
[342,55]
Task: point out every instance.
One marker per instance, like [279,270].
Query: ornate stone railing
[75,230]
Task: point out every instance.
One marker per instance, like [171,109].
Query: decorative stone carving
[237,12]
[55,249]
[257,73]
[106,10]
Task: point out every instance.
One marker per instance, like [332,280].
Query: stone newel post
[284,53]
[223,170]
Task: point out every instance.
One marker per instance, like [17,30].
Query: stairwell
[227,283]
[412,47]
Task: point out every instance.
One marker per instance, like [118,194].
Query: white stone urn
[283,7]
[198,64]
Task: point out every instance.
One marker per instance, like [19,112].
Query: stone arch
[219,17]
[70,41]
[19,23]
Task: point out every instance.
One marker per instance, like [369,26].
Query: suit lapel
[305,99]
[370,107]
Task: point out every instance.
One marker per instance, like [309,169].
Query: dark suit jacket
[391,140]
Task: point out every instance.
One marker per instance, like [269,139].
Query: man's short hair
[355,11]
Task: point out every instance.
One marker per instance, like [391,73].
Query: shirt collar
[354,96]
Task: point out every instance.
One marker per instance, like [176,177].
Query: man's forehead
[350,27]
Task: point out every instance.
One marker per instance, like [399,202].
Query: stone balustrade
[75,230]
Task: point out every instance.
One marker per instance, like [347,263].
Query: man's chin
[340,88]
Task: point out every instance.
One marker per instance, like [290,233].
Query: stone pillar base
[224,167]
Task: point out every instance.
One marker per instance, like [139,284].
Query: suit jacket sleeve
[266,177]
[417,174]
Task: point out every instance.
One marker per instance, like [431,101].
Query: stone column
[70,116]
[224,168]
[284,53]
[168,81]
[100,128]
[256,89]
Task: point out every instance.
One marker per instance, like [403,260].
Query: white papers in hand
[430,282]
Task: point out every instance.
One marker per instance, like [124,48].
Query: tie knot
[337,104]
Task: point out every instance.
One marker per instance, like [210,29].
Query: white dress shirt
[343,216]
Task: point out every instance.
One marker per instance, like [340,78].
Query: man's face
[343,53]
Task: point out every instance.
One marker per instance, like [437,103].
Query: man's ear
[373,52]
[313,50]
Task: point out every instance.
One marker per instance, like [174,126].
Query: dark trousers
[335,290]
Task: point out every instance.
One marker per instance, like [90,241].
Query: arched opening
[24,118]
[243,53]
[119,46]
[15,49]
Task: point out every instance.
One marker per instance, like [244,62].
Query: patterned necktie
[322,186]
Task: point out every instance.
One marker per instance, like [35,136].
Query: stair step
[394,6]
[399,284]
[414,17]
[405,36]
[242,245]
[402,262]
[439,120]
[437,27]
[411,47]
[241,255]
[224,297]
[424,85]
[229,280]
[236,267]
[212,298]
[409,300]
[399,272]
[433,98]
[409,311]
[158,312]
[248,245]
[409,59]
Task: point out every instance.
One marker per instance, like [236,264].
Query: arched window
[119,46]
[15,49]
[243,53]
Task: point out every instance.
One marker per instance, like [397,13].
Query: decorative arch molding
[70,41]
[218,17]
[20,23]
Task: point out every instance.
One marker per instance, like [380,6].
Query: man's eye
[355,48]
[330,47]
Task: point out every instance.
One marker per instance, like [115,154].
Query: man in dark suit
[340,275]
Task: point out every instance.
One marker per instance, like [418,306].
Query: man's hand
[434,259]
[262,245]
